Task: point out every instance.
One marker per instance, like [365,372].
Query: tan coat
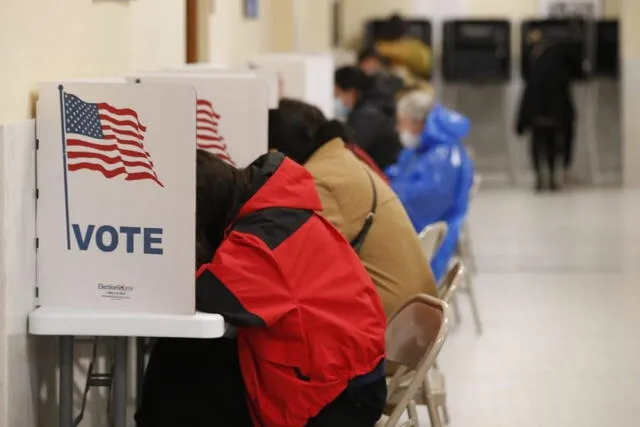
[391,252]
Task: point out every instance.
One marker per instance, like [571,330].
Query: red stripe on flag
[211,114]
[122,122]
[105,147]
[137,176]
[107,159]
[99,168]
[206,128]
[210,138]
[212,146]
[121,112]
[122,131]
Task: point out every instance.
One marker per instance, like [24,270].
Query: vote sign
[116,197]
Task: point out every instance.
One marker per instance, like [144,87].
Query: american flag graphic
[106,139]
[207,135]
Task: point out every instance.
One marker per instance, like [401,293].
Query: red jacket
[309,318]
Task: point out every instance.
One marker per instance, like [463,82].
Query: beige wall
[514,9]
[234,38]
[315,26]
[630,14]
[44,40]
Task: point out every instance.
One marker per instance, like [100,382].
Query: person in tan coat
[391,251]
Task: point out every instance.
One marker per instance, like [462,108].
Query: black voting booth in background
[572,32]
[607,49]
[418,28]
[476,51]
[596,43]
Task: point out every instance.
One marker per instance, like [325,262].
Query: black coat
[375,132]
[385,88]
[547,99]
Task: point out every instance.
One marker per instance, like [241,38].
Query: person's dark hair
[393,28]
[218,190]
[369,52]
[351,77]
[333,129]
[298,129]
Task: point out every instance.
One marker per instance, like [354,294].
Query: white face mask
[409,140]
[340,109]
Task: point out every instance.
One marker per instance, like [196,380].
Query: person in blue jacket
[434,173]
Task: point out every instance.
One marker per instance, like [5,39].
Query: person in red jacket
[309,322]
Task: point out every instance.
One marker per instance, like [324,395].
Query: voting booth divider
[269,77]
[19,357]
[113,244]
[232,119]
[304,76]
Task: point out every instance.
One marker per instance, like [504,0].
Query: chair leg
[432,408]
[474,306]
[434,415]
[413,415]
[445,415]
[456,310]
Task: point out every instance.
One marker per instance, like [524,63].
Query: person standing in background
[547,111]
[372,129]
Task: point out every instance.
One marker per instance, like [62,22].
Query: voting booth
[110,157]
[270,77]
[307,77]
[232,112]
[607,55]
[572,32]
[115,221]
[476,51]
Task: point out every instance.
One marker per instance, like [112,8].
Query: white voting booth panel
[308,77]
[269,76]
[232,112]
[17,274]
[116,185]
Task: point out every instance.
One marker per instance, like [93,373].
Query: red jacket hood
[280,182]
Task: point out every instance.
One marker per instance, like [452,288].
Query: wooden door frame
[191,38]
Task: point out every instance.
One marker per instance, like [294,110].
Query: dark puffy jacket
[374,132]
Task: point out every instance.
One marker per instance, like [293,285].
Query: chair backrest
[431,238]
[451,281]
[415,334]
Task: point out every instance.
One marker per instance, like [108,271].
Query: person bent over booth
[310,326]
[434,174]
[351,193]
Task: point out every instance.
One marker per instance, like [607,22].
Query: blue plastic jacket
[433,180]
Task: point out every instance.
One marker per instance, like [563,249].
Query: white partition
[116,188]
[308,77]
[269,76]
[233,111]
[19,381]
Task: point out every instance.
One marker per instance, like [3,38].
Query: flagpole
[64,164]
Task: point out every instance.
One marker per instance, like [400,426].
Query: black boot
[539,186]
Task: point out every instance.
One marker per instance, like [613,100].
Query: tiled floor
[559,295]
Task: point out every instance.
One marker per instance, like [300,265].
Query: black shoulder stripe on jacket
[212,296]
[273,226]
